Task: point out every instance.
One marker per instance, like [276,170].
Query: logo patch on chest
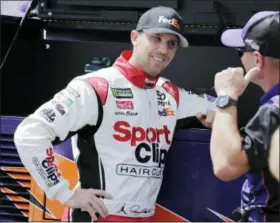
[162,99]
[122,92]
[166,112]
[125,105]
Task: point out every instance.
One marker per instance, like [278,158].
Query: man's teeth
[158,59]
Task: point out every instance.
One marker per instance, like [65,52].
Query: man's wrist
[223,93]
[230,110]
[228,93]
[224,101]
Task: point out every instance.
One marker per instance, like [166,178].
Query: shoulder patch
[101,86]
[172,89]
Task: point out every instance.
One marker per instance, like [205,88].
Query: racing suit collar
[275,90]
[133,74]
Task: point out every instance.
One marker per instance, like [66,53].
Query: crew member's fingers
[252,74]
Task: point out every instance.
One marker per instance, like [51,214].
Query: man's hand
[206,120]
[87,200]
[232,81]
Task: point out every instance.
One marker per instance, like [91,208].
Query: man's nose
[163,48]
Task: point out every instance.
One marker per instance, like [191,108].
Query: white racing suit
[124,122]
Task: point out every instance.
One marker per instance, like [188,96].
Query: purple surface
[6,139]
[8,147]
[196,135]
[11,162]
[65,149]
[8,124]
[189,185]
[24,6]
[8,153]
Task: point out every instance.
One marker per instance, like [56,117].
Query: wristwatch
[225,101]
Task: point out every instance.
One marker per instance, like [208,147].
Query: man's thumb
[252,74]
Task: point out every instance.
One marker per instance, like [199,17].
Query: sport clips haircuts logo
[47,169]
[147,151]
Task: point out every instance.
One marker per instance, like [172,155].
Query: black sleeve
[257,135]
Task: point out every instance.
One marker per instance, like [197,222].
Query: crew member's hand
[87,200]
[232,81]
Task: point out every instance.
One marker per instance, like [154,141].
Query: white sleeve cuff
[65,195]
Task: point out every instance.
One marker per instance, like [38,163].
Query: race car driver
[124,118]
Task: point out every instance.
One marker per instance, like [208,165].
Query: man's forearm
[225,140]
[274,155]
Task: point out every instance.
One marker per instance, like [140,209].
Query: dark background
[38,68]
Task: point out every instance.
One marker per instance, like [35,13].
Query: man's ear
[134,37]
[259,59]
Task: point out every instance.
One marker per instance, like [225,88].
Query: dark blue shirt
[260,192]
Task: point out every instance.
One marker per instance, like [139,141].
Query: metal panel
[14,179]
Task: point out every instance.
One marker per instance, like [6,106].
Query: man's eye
[156,38]
[173,44]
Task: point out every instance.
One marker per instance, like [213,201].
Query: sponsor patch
[161,96]
[60,108]
[73,92]
[174,22]
[147,146]
[127,113]
[125,105]
[66,96]
[122,92]
[124,132]
[48,114]
[139,171]
[47,169]
[61,98]
[166,112]
[162,100]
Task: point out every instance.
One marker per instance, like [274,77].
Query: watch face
[223,101]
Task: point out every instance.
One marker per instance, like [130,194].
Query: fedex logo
[166,112]
[125,132]
[173,21]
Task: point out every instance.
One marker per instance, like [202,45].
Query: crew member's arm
[68,111]
[233,153]
[274,154]
[228,157]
